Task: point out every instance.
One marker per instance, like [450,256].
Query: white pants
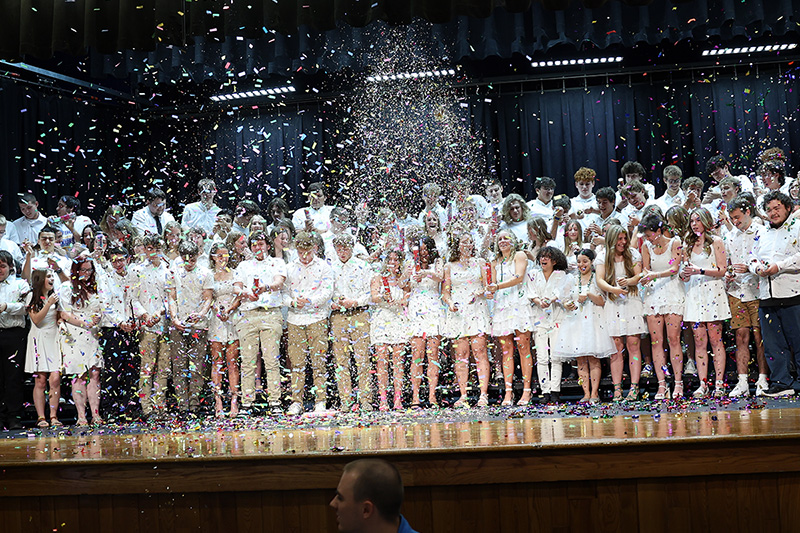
[549,371]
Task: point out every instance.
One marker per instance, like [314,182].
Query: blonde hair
[612,235]
[567,242]
[515,244]
[539,228]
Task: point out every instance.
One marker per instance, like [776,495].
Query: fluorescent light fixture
[411,75]
[581,61]
[253,94]
[749,49]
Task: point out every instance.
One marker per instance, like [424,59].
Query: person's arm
[376,290]
[324,291]
[172,303]
[38,316]
[447,289]
[520,268]
[600,273]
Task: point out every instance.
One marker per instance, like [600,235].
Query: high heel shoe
[617,393]
[702,390]
[507,402]
[526,398]
[677,391]
[663,391]
[483,401]
[633,394]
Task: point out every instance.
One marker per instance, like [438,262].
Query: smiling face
[85,271]
[504,242]
[465,245]
[29,210]
[572,232]
[584,264]
[621,244]
[157,206]
[652,236]
[740,219]
[221,257]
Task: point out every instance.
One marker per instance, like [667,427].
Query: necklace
[588,285]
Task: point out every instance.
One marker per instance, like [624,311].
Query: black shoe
[778,390]
[275,409]
[13,424]
[545,399]
[555,397]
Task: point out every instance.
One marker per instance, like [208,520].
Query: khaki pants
[264,327]
[153,372]
[312,340]
[188,351]
[352,330]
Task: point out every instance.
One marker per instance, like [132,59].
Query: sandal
[677,392]
[523,402]
[415,406]
[617,393]
[483,401]
[663,391]
[507,402]
[82,422]
[41,422]
[56,423]
[633,394]
[461,403]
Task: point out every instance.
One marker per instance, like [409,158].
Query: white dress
[43,353]
[466,292]
[80,346]
[662,296]
[706,299]
[389,324]
[218,330]
[625,313]
[425,309]
[512,307]
[584,331]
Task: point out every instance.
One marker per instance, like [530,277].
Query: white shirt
[115,291]
[11,247]
[330,250]
[519,229]
[541,209]
[315,282]
[27,229]
[67,237]
[779,246]
[352,280]
[739,246]
[631,212]
[189,287]
[264,271]
[320,218]
[666,201]
[13,292]
[197,215]
[149,292]
[145,221]
[39,262]
[405,223]
[582,204]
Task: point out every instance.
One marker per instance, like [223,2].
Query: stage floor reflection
[404,433]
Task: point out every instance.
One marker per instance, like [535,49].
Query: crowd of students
[127,307]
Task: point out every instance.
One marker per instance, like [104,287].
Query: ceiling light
[253,94]
[409,75]
[581,61]
[749,49]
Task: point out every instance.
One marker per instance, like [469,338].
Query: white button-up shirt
[197,215]
[115,291]
[145,221]
[582,204]
[739,246]
[149,292]
[12,293]
[779,246]
[189,287]
[27,229]
[666,201]
[352,280]
[541,209]
[320,218]
[313,281]
[264,271]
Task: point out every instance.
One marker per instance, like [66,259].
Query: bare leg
[232,360]
[433,368]
[617,364]
[79,397]
[398,374]
[417,356]
[216,375]
[55,394]
[93,390]
[674,323]
[523,339]
[594,372]
[40,382]
[700,351]
[583,377]
[761,359]
[382,369]
[507,346]
[742,350]
[482,361]
[461,348]
[718,349]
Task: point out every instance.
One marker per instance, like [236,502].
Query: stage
[720,466]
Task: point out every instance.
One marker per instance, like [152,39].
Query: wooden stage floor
[693,465]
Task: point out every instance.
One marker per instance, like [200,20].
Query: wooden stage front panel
[669,472]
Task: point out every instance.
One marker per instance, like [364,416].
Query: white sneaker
[702,391]
[690,368]
[295,409]
[761,387]
[647,371]
[319,407]
[742,389]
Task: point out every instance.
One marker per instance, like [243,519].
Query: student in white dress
[467,315]
[221,330]
[43,357]
[425,315]
[706,304]
[583,334]
[512,321]
[619,269]
[80,310]
[663,295]
[389,326]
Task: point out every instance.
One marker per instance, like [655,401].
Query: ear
[367,509]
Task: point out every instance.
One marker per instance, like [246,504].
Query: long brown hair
[708,223]
[38,277]
[82,289]
[567,242]
[612,235]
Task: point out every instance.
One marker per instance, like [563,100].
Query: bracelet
[702,272]
[58,271]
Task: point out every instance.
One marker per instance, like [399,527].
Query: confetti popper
[256,284]
[449,213]
[488,268]
[308,215]
[415,252]
[402,239]
[387,291]
[495,220]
